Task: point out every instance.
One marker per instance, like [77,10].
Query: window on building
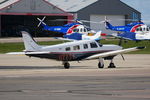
[85,46]
[77,47]
[93,45]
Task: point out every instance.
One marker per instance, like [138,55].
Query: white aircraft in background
[73,51]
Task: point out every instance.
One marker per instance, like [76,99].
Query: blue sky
[141,5]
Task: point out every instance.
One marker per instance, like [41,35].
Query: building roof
[72,5]
[16,7]
[6,3]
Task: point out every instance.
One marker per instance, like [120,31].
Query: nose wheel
[111,65]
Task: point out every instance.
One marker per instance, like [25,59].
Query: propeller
[41,21]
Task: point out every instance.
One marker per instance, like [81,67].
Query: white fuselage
[80,46]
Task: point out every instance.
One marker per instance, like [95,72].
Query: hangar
[15,13]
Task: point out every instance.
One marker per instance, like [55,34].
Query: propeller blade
[41,21]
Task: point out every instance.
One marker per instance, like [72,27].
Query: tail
[95,37]
[107,24]
[41,21]
[29,42]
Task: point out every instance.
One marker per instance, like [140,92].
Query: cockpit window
[93,45]
[76,30]
[137,29]
[100,45]
[88,29]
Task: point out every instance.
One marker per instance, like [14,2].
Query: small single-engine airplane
[73,51]
[135,31]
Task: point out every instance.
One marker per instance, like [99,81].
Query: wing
[112,53]
[28,53]
[66,39]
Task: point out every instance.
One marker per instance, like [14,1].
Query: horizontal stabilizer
[28,53]
[16,53]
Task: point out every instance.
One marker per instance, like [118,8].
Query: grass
[18,47]
[130,44]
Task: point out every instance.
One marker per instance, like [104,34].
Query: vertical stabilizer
[29,42]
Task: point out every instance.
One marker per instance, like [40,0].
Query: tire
[100,65]
[66,65]
[111,65]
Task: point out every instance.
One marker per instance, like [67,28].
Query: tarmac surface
[24,78]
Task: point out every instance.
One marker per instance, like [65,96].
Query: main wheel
[66,65]
[111,65]
[100,65]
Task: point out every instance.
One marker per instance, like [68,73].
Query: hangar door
[115,20]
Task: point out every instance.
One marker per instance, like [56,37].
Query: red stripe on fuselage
[135,27]
[70,30]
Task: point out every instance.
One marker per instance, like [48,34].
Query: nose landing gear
[111,65]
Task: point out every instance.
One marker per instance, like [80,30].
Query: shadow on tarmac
[41,67]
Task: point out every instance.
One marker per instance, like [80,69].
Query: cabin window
[81,30]
[140,29]
[85,30]
[147,28]
[76,30]
[93,45]
[85,46]
[68,49]
[77,47]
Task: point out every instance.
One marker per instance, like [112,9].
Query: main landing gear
[66,65]
[101,64]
